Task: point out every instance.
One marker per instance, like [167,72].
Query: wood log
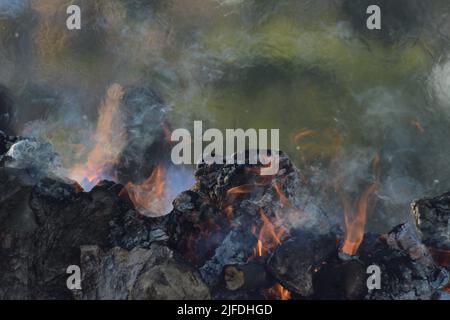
[250,276]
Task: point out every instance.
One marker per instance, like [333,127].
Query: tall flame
[355,216]
[109,141]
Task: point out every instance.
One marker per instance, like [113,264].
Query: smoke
[440,84]
[232,63]
[12,8]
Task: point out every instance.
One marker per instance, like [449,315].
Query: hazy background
[308,67]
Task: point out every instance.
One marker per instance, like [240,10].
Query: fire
[109,141]
[150,196]
[355,216]
[269,238]
[279,292]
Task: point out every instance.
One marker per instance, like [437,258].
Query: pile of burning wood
[235,234]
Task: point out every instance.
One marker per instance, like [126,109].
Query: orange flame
[150,196]
[109,141]
[355,220]
[269,238]
[279,292]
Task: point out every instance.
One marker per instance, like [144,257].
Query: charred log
[432,216]
[340,279]
[250,276]
[296,260]
[407,268]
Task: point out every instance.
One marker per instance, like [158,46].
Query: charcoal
[236,248]
[294,262]
[432,216]
[407,268]
[139,274]
[44,223]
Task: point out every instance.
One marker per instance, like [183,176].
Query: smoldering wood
[408,271]
[199,223]
[340,279]
[294,262]
[252,275]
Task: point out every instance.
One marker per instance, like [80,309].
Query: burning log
[232,196]
[233,214]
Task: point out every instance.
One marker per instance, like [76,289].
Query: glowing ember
[355,216]
[109,141]
[150,197]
